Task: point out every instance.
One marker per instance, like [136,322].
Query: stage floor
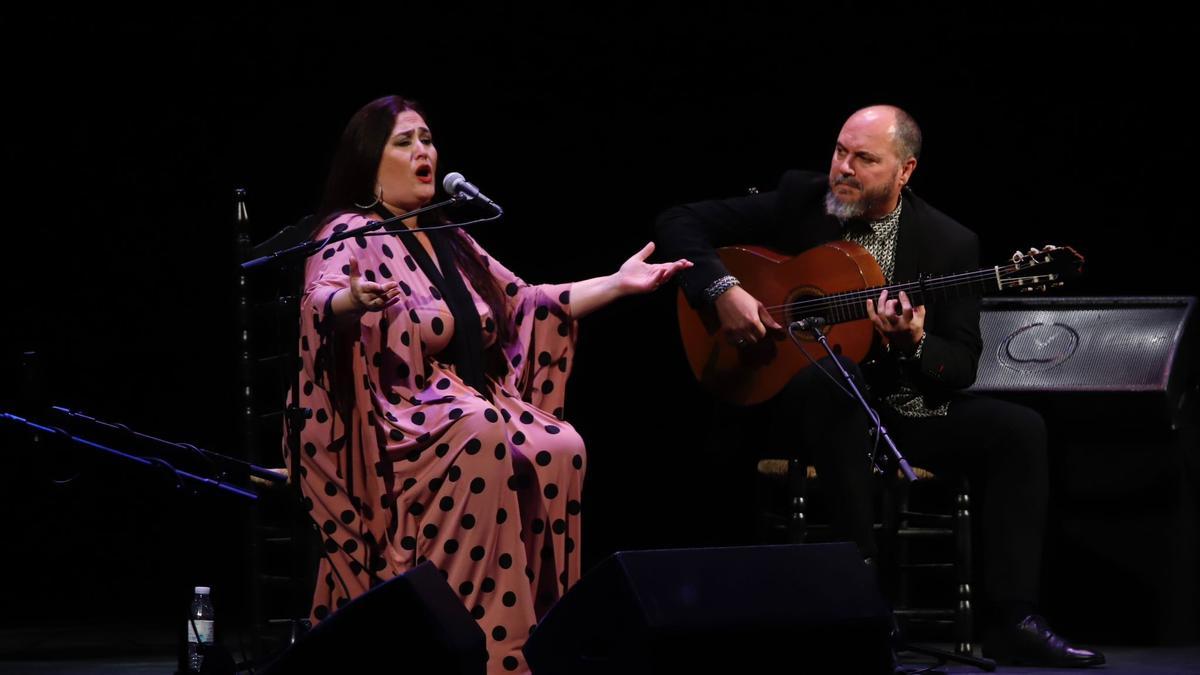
[148,651]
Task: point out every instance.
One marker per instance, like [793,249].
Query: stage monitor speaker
[803,608]
[1086,357]
[414,621]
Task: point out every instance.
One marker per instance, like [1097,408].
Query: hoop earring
[378,198]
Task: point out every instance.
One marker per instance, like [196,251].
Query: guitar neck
[852,305]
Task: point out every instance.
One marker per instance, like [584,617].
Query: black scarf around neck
[465,350]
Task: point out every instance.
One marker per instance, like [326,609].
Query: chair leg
[964,612]
[797,484]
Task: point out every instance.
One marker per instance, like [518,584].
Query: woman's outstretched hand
[638,276]
[368,296]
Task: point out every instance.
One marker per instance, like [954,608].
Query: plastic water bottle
[199,628]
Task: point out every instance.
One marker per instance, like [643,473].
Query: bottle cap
[202,590]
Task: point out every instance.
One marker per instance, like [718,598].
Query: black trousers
[1000,446]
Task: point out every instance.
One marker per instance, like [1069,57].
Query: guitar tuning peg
[1058,284]
[1017,256]
[1050,247]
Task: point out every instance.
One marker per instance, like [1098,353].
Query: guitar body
[753,374]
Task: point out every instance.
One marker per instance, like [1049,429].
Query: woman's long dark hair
[351,182]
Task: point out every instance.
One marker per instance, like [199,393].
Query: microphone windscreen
[451,181]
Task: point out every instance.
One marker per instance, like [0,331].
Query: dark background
[127,132]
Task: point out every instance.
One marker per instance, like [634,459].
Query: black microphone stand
[308,248]
[814,325]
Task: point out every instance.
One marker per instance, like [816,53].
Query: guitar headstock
[1042,269]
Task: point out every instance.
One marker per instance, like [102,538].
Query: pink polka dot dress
[403,462]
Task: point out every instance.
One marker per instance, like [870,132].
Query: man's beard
[868,201]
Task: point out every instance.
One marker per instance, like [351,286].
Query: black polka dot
[562,578]
[443,384]
[321,611]
[500,451]
[489,325]
[340,228]
[329,527]
[551,491]
[466,588]
[347,516]
[505,415]
[488,585]
[416,508]
[518,438]
[456,413]
[442,449]
[430,531]
[516,360]
[446,503]
[574,507]
[577,461]
[477,612]
[454,473]
[419,381]
[560,526]
[408,483]
[477,553]
[304,347]
[356,567]
[499,633]
[435,484]
[491,415]
[331,546]
[414,455]
[541,313]
[506,562]
[547,387]
[538,526]
[412,264]
[384,271]
[310,449]
[570,545]
[509,599]
[360,240]
[511,663]
[551,429]
[370,275]
[468,521]
[438,325]
[350,546]
[564,297]
[405,339]
[564,329]
[308,388]
[395,435]
[562,364]
[308,504]
[511,289]
[473,446]
[387,251]
[501,516]
[437,295]
[478,485]
[418,418]
[408,544]
[322,416]
[331,488]
[329,253]
[526,417]
[413,316]
[542,458]
[394,398]
[520,317]
[451,546]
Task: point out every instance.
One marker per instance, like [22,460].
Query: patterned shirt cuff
[716,288]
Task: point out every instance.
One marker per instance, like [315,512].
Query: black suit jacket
[792,219]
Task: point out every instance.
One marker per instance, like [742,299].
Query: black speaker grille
[1081,344]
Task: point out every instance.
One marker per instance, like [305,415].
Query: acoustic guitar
[831,284]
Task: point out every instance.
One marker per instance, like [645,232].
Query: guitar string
[857,298]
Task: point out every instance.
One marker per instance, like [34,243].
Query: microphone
[455,184]
[807,323]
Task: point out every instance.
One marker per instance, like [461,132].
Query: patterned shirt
[879,237]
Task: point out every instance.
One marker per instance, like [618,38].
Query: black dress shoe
[1032,643]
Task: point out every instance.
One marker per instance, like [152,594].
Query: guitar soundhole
[806,303]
